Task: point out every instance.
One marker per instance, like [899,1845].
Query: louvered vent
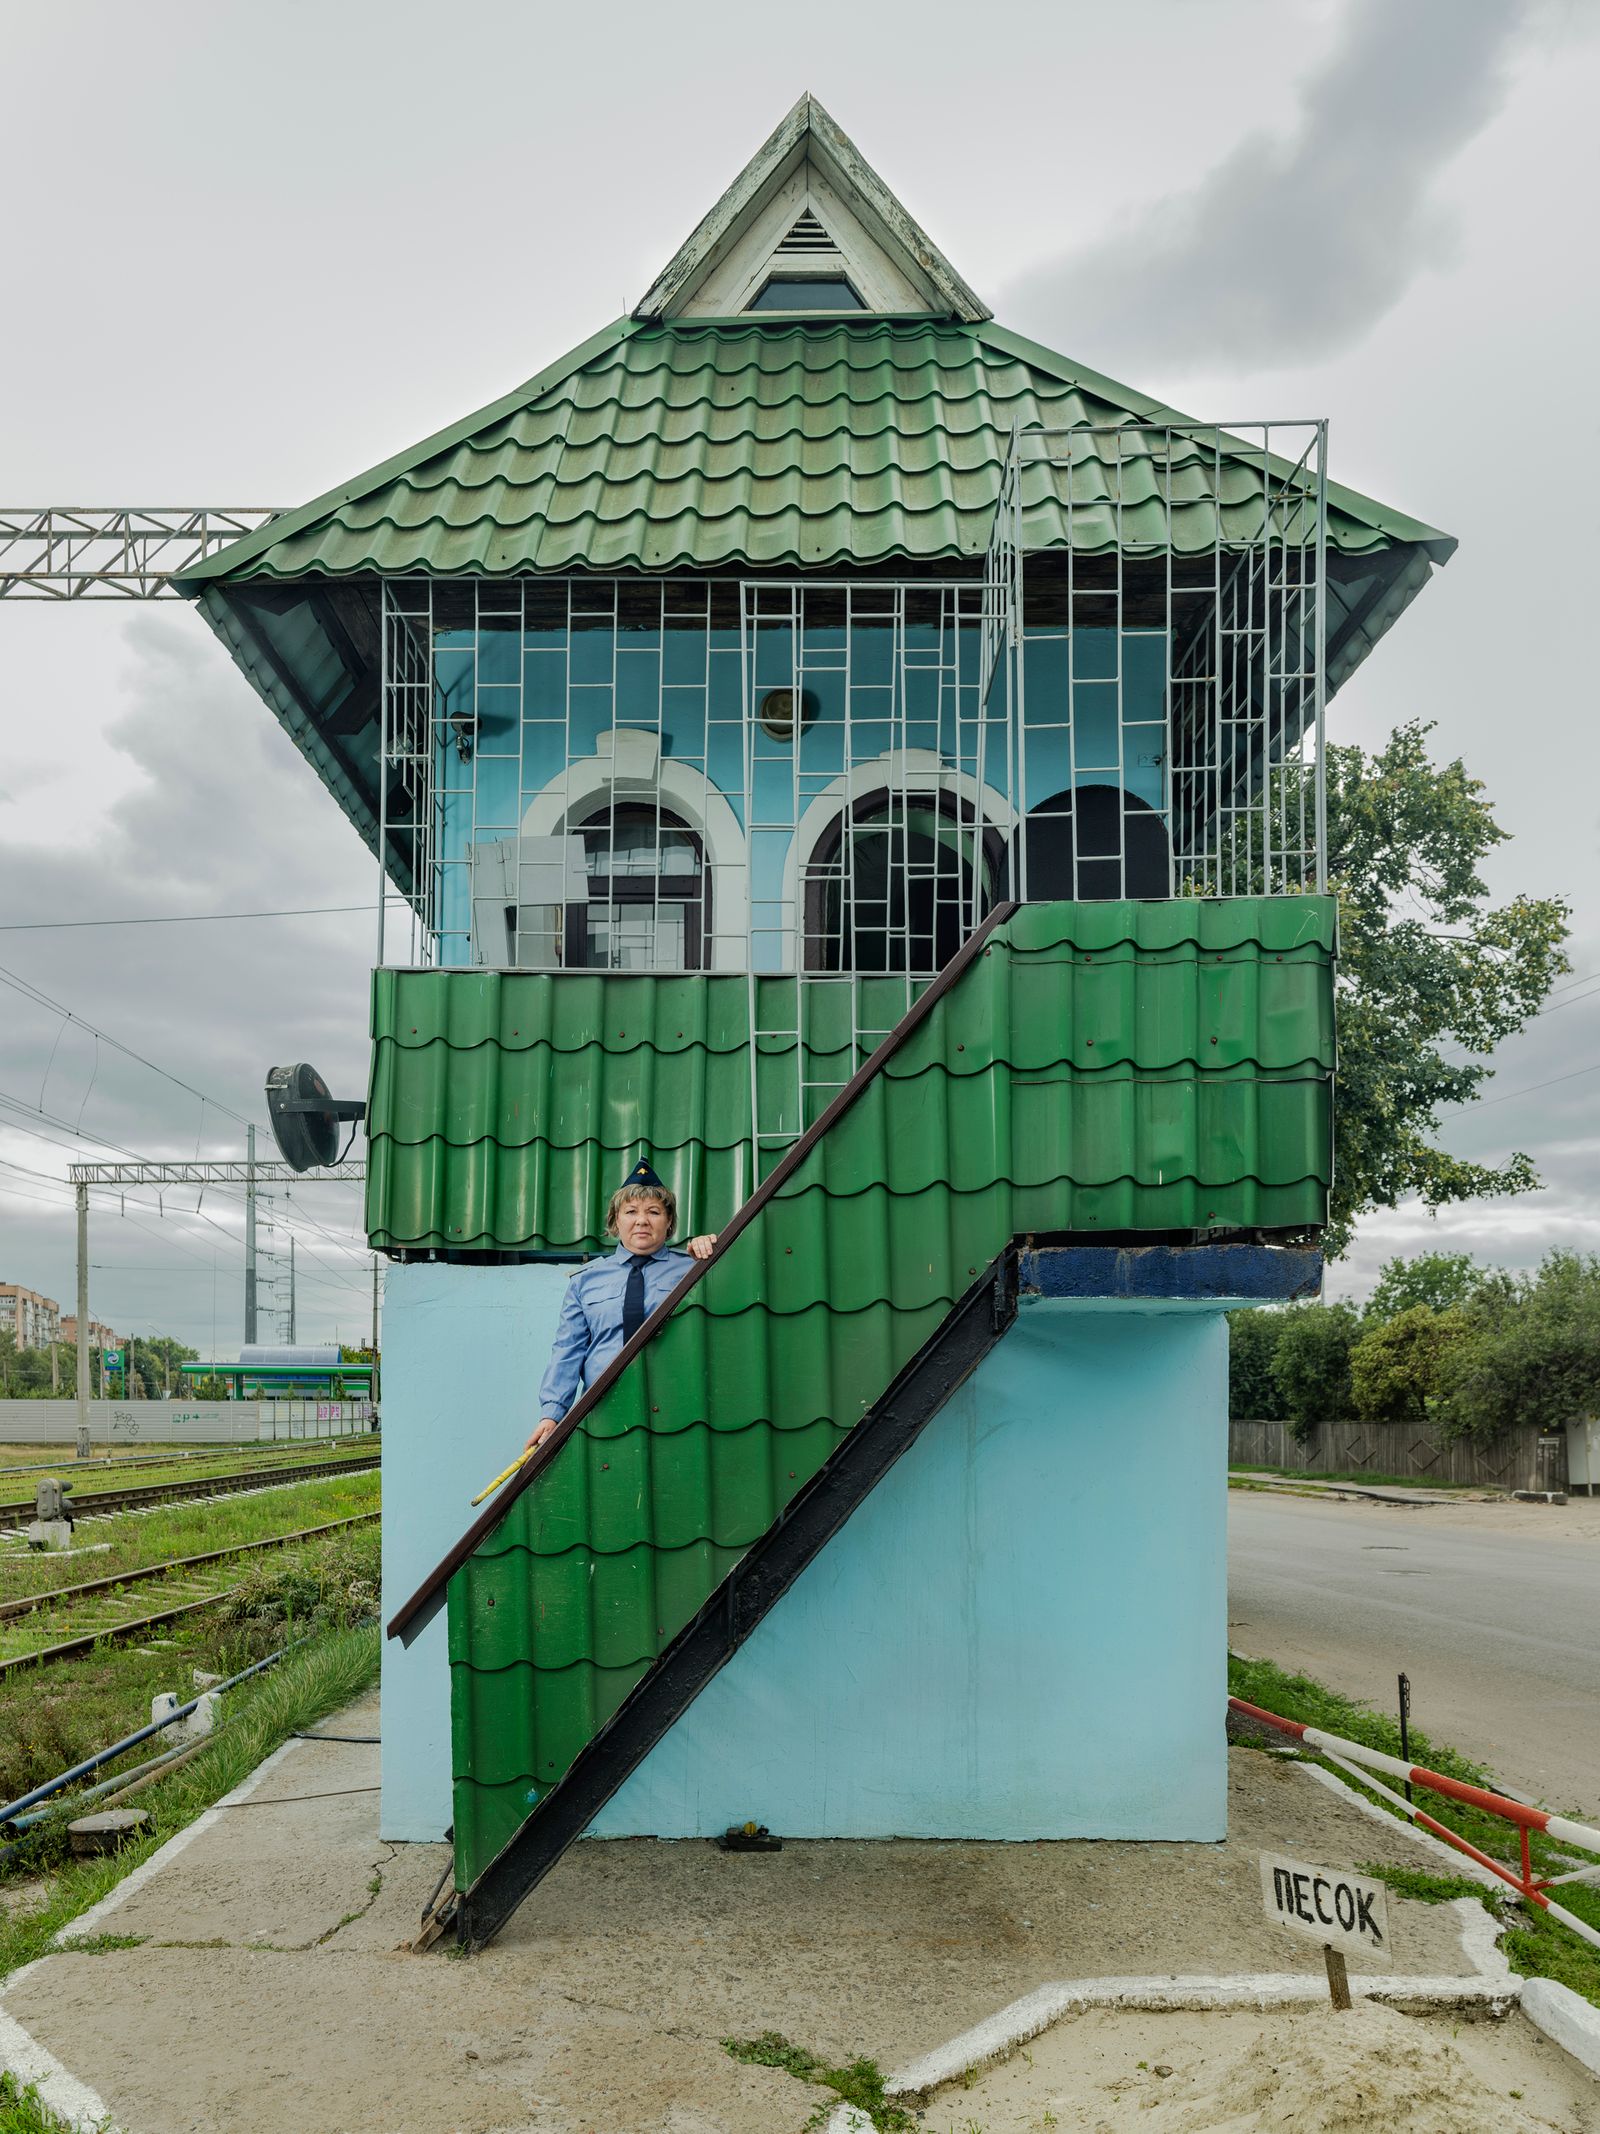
[808,235]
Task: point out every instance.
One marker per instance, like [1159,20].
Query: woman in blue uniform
[610,1299]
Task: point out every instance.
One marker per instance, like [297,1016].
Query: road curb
[1565,2018]
[1488,1989]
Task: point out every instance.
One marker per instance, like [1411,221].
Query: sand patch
[1371,2071]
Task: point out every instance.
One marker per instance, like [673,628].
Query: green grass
[22,2113]
[1416,1883]
[170,1464]
[1333,1474]
[321,1677]
[136,1539]
[55,1716]
[859,2083]
[1538,1946]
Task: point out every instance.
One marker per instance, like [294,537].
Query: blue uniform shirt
[589,1332]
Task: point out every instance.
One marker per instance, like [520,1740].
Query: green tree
[1396,1364]
[1252,1344]
[1443,1281]
[1311,1365]
[1529,1351]
[1428,970]
[30,1378]
[155,1359]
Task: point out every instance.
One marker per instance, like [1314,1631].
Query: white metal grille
[1166,668]
[812,781]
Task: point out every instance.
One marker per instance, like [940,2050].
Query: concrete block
[1567,2019]
[107,1830]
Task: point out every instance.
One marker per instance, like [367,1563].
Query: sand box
[1370,2071]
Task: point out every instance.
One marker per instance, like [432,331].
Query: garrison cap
[643,1174]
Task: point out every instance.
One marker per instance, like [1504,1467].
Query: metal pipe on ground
[93,1793]
[102,1757]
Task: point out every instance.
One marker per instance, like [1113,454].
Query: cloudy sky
[259,248]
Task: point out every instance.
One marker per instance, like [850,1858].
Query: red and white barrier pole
[1352,1755]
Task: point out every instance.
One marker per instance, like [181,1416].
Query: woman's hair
[663,1194]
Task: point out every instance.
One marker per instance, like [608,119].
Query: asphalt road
[1498,1631]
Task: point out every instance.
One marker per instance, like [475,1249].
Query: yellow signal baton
[504,1475]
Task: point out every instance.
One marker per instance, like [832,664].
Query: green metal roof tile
[845,1273]
[697,443]
[1140,1044]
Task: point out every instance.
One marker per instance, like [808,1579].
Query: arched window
[1093,843]
[898,882]
[649,905]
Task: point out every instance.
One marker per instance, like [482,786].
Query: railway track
[139,1496]
[94,1613]
[68,1464]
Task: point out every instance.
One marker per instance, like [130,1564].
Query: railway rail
[68,1464]
[86,1601]
[139,1496]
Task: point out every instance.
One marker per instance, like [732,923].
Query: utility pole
[250,1236]
[374,1306]
[83,1328]
[291,1289]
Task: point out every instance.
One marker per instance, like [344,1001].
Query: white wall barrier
[181,1422]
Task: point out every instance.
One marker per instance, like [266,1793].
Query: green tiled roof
[693,444]
[1107,1065]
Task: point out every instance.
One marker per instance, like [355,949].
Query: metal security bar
[1166,668]
[824,784]
[56,552]
[881,811]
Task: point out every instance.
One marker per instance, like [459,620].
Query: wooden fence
[1523,1458]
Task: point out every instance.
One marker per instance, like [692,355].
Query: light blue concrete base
[1021,1634]
[463,1352]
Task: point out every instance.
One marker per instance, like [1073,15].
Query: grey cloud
[225,816]
[1304,235]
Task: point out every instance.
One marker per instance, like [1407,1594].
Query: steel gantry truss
[192,1172]
[241,1173]
[56,552]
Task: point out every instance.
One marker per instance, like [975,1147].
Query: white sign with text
[1327,1904]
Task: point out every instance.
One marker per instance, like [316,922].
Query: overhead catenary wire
[29,991]
[329,1274]
[1526,1089]
[188,918]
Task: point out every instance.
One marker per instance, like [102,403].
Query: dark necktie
[633,1314]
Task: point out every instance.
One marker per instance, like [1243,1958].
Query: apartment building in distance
[32,1320]
[100,1337]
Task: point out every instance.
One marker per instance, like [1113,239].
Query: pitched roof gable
[809,172]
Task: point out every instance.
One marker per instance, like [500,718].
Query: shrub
[1311,1363]
[1396,1364]
[1252,1344]
[1529,1351]
[1443,1281]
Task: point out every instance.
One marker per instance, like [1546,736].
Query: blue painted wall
[463,1352]
[534,697]
[1022,1632]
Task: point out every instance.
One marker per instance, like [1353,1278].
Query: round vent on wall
[776,712]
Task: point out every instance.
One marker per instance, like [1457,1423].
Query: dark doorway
[1095,842]
[891,885]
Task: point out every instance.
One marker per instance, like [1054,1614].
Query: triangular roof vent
[808,204]
[808,235]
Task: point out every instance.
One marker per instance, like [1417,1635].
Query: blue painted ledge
[1246,1274]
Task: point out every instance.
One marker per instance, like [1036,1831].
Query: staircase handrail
[414,1614]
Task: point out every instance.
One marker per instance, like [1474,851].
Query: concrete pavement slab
[268,1991]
